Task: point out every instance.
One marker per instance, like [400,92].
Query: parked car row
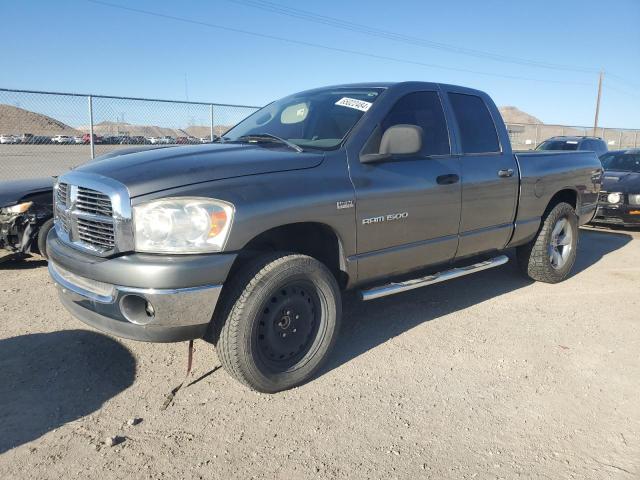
[85,139]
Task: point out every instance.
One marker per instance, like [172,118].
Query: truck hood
[14,191]
[160,169]
[624,182]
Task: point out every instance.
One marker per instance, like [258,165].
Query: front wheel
[279,321]
[42,238]
[550,256]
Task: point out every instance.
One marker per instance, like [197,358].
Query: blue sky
[81,46]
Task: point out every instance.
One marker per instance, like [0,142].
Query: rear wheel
[280,319]
[550,256]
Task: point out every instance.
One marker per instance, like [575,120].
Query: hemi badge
[344,204]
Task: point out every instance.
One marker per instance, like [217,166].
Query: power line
[623,80]
[399,37]
[326,47]
[620,90]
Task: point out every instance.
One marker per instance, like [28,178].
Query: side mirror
[396,140]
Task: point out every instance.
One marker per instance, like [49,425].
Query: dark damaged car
[26,216]
[619,200]
[26,212]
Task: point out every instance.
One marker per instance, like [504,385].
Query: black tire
[42,237]
[536,259]
[279,320]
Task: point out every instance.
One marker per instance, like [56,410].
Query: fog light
[137,309]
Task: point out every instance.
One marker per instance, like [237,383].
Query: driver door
[408,207]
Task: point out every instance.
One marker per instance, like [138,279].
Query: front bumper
[142,297]
[16,232]
[623,215]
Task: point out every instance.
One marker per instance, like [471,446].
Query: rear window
[558,145]
[477,131]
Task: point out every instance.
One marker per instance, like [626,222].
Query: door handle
[505,172]
[448,179]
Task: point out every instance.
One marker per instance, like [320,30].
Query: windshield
[622,162]
[558,145]
[320,119]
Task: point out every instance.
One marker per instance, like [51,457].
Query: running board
[397,287]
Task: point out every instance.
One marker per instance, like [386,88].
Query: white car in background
[153,140]
[166,140]
[6,139]
[62,139]
[78,140]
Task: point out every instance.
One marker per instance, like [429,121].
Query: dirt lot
[485,377]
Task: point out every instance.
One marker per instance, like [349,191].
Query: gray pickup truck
[248,242]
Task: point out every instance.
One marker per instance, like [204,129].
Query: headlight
[634,198]
[182,225]
[614,197]
[19,208]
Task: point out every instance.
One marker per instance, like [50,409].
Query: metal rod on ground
[595,121]
[93,149]
[211,116]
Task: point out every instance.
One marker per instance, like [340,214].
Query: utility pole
[595,122]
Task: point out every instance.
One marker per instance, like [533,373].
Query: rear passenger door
[489,174]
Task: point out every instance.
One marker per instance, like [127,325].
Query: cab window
[423,109]
[477,131]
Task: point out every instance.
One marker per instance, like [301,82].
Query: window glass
[477,130]
[319,119]
[423,109]
[621,162]
[558,145]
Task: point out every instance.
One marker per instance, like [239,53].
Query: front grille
[602,197]
[64,221]
[85,216]
[93,202]
[96,233]
[62,197]
[62,194]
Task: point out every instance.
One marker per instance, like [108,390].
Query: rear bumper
[142,297]
[622,216]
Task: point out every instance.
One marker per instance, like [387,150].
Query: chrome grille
[602,197]
[63,193]
[64,221]
[62,198]
[97,233]
[93,202]
[85,218]
[93,213]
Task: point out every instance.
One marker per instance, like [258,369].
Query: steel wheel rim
[288,325]
[561,243]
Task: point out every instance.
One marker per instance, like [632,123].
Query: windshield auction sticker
[353,103]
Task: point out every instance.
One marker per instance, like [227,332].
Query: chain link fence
[46,133]
[527,136]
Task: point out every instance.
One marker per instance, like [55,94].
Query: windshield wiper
[268,136]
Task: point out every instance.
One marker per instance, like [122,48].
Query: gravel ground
[490,376]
